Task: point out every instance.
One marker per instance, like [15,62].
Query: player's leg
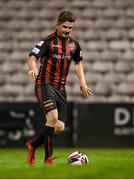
[48,106]
[47,99]
[39,140]
[55,120]
[43,94]
[52,117]
[62,111]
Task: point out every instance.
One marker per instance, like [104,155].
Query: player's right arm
[33,71]
[37,52]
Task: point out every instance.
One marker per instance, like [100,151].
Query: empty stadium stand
[104,28]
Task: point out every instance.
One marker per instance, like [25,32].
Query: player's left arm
[86,91]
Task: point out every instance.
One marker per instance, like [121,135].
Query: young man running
[55,52]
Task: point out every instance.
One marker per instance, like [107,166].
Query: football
[78,158]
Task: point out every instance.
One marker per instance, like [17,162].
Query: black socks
[46,138]
[48,141]
[39,140]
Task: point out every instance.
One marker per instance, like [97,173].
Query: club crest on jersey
[71,46]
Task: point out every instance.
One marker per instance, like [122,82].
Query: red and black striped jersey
[55,56]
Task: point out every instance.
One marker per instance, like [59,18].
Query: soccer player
[55,52]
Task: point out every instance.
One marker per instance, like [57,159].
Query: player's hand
[33,73]
[86,91]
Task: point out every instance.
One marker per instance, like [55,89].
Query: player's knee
[59,127]
[51,118]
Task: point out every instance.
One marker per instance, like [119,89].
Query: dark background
[92,125]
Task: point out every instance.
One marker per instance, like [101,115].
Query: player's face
[64,29]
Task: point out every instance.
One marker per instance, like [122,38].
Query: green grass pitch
[103,163]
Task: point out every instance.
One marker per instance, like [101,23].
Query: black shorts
[51,98]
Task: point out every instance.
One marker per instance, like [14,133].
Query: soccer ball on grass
[78,158]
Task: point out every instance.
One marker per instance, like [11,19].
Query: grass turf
[104,163]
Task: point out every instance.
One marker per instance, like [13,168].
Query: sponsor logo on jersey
[35,50]
[56,45]
[40,43]
[63,57]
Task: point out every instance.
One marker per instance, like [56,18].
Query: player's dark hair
[66,16]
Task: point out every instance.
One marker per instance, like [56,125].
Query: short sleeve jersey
[55,55]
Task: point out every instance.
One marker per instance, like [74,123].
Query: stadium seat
[130,78]
[110,55]
[126,89]
[102,67]
[128,56]
[112,78]
[123,67]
